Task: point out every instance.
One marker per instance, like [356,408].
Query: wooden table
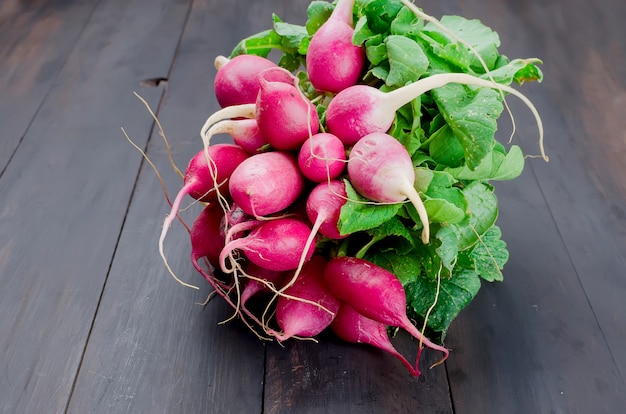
[90,321]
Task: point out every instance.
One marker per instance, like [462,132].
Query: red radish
[206,237]
[274,75]
[286,118]
[373,292]
[259,279]
[322,157]
[207,242]
[202,181]
[380,168]
[245,133]
[266,183]
[309,317]
[361,109]
[333,62]
[324,206]
[351,326]
[236,80]
[277,244]
[234,215]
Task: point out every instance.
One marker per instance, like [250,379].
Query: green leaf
[496,166]
[472,115]
[376,50]
[380,14]
[392,228]
[454,295]
[362,32]
[292,35]
[406,24]
[258,44]
[360,214]
[518,70]
[445,148]
[490,255]
[407,60]
[473,33]
[443,202]
[483,212]
[317,12]
[448,249]
[406,267]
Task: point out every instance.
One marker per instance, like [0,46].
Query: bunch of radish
[313,141]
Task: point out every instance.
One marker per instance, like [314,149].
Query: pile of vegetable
[356,195]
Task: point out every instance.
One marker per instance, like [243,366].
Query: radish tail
[417,202]
[235,111]
[166,225]
[399,97]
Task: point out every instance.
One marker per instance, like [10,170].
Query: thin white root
[166,224]
[162,133]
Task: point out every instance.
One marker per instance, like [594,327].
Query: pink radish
[203,181]
[380,169]
[360,109]
[207,242]
[306,319]
[351,326]
[286,118]
[322,157]
[266,183]
[277,244]
[333,62]
[272,74]
[259,278]
[373,292]
[206,238]
[324,206]
[236,80]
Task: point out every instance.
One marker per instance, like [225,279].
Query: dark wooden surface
[90,321]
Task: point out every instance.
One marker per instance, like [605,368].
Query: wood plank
[65,194]
[36,40]
[550,338]
[153,349]
[584,182]
[336,377]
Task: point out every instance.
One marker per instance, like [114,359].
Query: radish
[361,109]
[380,168]
[266,183]
[277,244]
[308,307]
[245,133]
[351,326]
[260,280]
[324,206]
[286,118]
[333,62]
[236,80]
[272,74]
[204,182]
[373,292]
[206,236]
[322,157]
[207,242]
